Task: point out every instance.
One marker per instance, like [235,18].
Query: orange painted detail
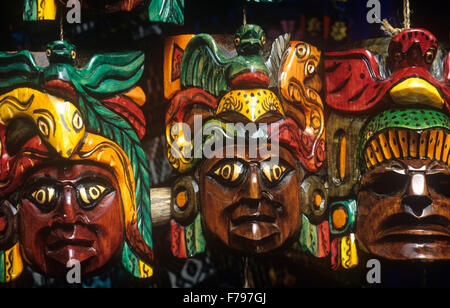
[377,150]
[174,47]
[393,142]
[403,140]
[423,144]
[384,146]
[446,147]
[431,143]
[439,145]
[317,199]
[413,143]
[342,157]
[371,156]
[181,199]
[339,218]
[137,95]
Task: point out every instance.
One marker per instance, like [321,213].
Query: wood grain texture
[160,199]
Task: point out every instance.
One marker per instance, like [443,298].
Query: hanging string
[406,15]
[61,29]
[244,14]
[390,30]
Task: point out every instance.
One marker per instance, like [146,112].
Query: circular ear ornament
[8,225]
[184,204]
[315,195]
[342,216]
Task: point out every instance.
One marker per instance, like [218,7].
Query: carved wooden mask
[403,200]
[388,124]
[66,213]
[251,205]
[73,163]
[247,203]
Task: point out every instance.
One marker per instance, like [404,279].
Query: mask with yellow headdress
[246,135]
[74,177]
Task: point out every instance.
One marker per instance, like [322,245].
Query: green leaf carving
[203,65]
[30,10]
[169,11]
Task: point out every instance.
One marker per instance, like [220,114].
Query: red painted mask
[66,214]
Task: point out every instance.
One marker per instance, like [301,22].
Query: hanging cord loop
[390,30]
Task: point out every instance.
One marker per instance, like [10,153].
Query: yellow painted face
[58,122]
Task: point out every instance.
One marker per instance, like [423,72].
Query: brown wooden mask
[251,205]
[404,201]
[404,210]
[244,203]
[70,212]
[387,145]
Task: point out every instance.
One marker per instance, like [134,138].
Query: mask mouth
[253,218]
[62,236]
[74,242]
[63,248]
[405,228]
[254,223]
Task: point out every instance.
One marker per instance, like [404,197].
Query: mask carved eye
[274,173]
[263,40]
[310,68]
[439,182]
[43,127]
[77,121]
[229,173]
[90,194]
[429,56]
[44,197]
[301,50]
[388,183]
[237,41]
[73,54]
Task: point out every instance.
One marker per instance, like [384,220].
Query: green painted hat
[405,133]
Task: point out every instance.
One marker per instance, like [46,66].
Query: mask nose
[66,209]
[416,204]
[254,187]
[418,198]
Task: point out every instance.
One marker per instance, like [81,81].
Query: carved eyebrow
[397,167]
[91,174]
[231,160]
[46,178]
[435,167]
[423,168]
[42,178]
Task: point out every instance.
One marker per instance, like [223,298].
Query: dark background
[311,21]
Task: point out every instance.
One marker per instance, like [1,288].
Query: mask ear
[185,198]
[314,196]
[8,225]
[186,233]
